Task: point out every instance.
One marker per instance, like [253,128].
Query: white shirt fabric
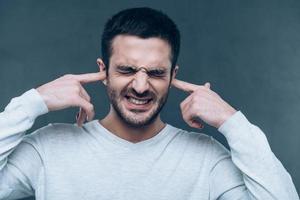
[67,162]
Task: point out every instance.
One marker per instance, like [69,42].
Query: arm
[250,170]
[20,163]
[18,116]
[262,175]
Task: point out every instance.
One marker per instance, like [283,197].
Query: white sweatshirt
[66,162]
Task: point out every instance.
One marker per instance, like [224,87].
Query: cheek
[161,87]
[117,83]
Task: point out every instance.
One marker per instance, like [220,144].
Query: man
[132,153]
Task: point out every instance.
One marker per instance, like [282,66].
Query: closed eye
[156,73]
[126,70]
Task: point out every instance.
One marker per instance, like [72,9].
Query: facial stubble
[134,121]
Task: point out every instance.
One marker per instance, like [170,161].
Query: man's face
[138,78]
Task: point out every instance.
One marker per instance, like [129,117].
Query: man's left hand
[204,104]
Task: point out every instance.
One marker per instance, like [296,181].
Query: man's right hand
[67,91]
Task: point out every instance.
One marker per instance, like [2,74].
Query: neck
[117,126]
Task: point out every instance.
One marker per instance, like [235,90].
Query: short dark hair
[144,23]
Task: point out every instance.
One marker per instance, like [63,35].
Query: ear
[102,67]
[175,70]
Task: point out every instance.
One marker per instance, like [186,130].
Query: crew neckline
[99,131]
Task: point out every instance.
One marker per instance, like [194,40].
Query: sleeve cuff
[235,125]
[33,103]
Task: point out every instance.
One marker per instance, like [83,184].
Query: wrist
[33,103]
[225,116]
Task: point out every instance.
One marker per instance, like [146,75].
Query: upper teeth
[136,101]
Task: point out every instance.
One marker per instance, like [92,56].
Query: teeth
[139,102]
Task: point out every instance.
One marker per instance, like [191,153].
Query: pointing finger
[185,86]
[90,77]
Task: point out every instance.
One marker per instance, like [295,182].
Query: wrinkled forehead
[139,52]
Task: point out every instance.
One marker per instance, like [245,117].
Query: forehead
[135,51]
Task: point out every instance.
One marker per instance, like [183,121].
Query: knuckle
[187,121]
[181,105]
[184,117]
[76,91]
[88,98]
[90,107]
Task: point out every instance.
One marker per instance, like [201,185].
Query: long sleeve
[18,116]
[262,176]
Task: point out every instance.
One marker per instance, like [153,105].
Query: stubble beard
[134,119]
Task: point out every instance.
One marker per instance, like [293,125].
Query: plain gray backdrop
[248,50]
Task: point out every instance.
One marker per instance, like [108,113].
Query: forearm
[18,116]
[263,174]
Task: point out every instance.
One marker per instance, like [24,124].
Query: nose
[140,82]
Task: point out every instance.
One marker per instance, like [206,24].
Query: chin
[138,118]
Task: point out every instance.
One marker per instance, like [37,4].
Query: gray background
[248,50]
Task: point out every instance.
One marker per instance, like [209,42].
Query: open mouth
[135,104]
[138,101]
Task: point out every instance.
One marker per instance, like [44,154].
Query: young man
[132,153]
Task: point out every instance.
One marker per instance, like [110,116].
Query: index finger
[185,86]
[91,77]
